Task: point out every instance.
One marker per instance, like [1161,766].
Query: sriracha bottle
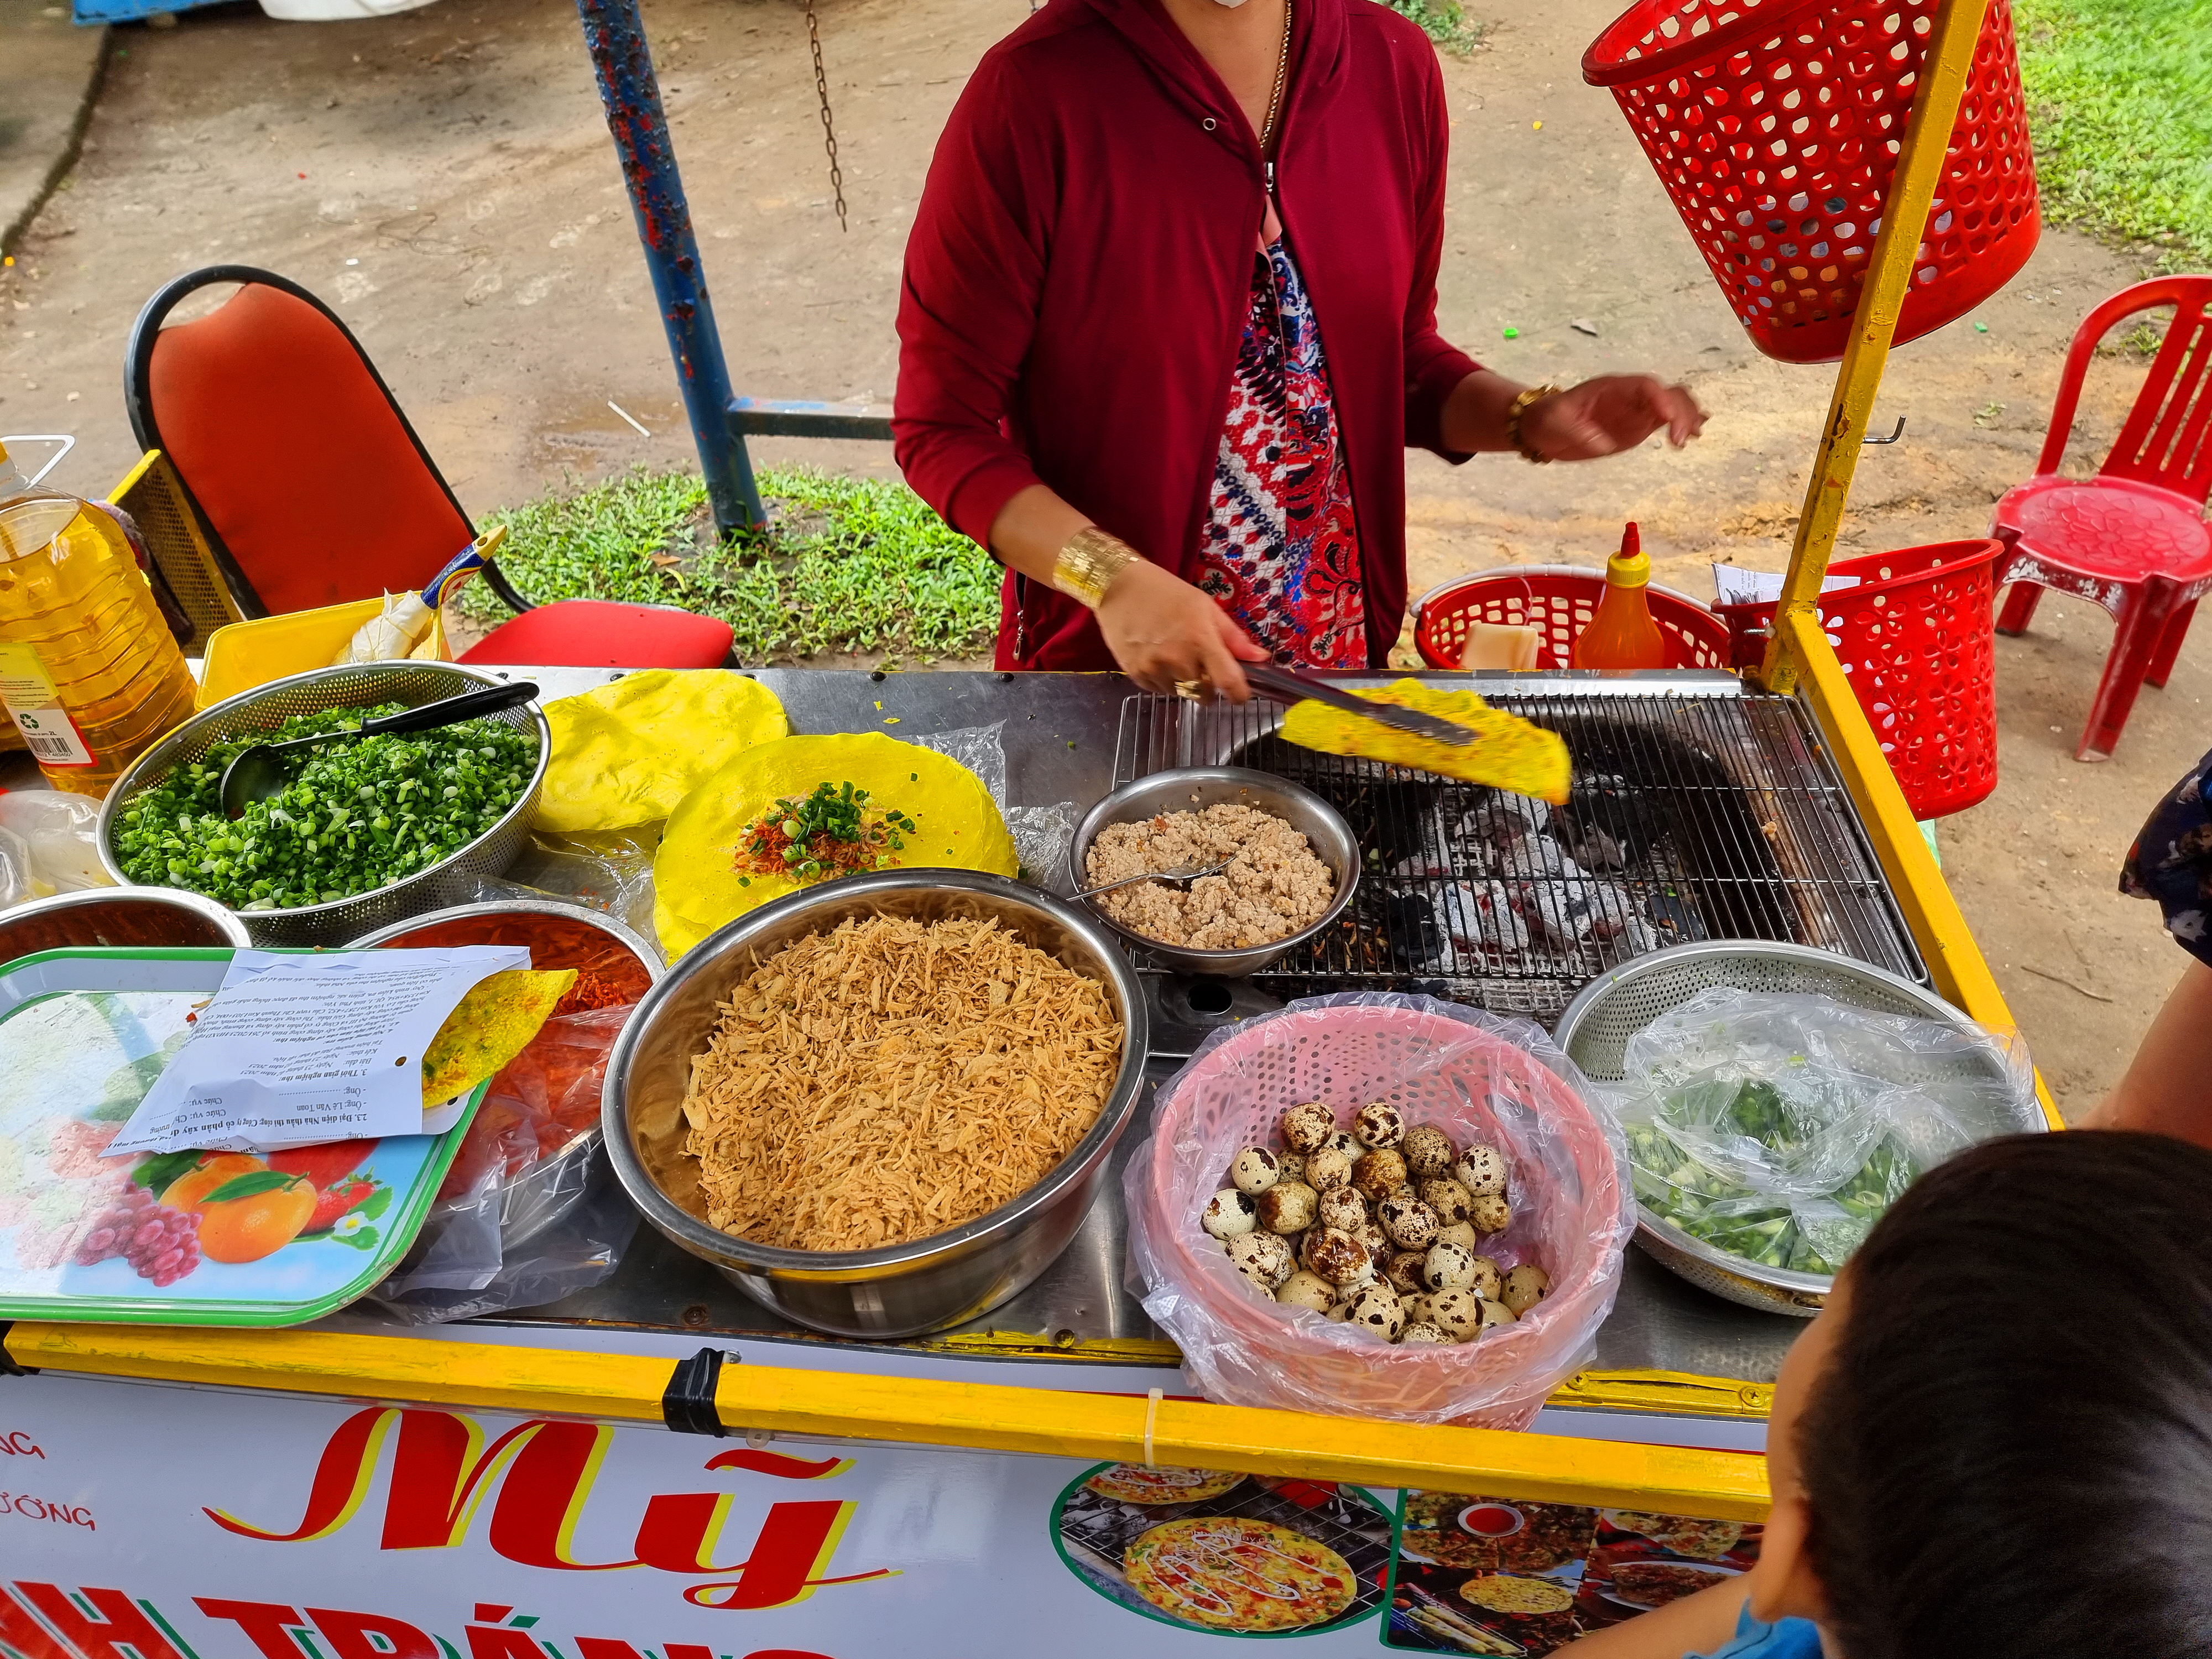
[1622,634]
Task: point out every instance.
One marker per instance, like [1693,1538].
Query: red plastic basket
[1917,639]
[1560,599]
[1775,125]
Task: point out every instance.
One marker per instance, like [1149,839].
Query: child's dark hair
[2009,1452]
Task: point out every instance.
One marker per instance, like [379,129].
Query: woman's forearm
[1031,528]
[1473,418]
[2164,1091]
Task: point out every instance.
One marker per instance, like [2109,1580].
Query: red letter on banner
[103,1638]
[350,1636]
[21,1633]
[263,1622]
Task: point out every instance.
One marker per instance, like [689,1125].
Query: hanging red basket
[1775,125]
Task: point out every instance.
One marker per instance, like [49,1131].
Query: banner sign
[140,1521]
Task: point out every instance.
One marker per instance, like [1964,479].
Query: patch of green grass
[851,564]
[1444,21]
[2120,100]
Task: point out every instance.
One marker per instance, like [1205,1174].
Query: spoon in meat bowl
[1157,875]
[257,773]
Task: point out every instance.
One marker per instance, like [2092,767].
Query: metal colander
[355,685]
[1594,1030]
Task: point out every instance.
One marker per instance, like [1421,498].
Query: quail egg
[1378,1174]
[1379,1124]
[1307,1127]
[1496,1313]
[1380,1249]
[1255,1170]
[1447,1265]
[1403,1270]
[1417,1306]
[1287,1207]
[1347,1143]
[1307,1289]
[1461,1232]
[1419,1333]
[1428,1152]
[1482,1169]
[1485,1283]
[1326,1168]
[1342,1208]
[1457,1313]
[1411,1223]
[1263,1258]
[1376,1309]
[1338,1257]
[1292,1166]
[1524,1287]
[1448,1197]
[1230,1212]
[1490,1213]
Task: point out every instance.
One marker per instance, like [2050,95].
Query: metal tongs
[1285,686]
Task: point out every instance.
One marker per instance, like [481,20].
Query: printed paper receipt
[297,1049]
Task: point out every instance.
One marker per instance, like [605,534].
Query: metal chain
[829,129]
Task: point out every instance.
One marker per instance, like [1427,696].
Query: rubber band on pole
[1151,1413]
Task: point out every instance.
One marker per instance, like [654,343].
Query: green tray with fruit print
[178,1238]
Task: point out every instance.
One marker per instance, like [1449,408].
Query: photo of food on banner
[1483,1575]
[1224,1552]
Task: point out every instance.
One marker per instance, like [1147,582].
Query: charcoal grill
[1724,811]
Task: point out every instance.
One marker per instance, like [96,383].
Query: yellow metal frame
[905,1410]
[152,496]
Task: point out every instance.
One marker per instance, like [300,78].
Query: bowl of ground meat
[1293,865]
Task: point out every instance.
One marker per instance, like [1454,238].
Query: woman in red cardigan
[1168,324]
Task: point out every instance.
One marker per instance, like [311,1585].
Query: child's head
[1997,1441]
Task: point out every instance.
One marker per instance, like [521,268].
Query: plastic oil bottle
[1621,634]
[88,670]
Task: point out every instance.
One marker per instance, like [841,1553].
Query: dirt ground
[445,177]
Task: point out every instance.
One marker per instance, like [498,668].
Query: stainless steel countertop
[1058,732]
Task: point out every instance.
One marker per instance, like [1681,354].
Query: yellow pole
[919,1411]
[1919,167]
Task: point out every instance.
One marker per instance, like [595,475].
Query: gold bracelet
[1515,410]
[1089,562]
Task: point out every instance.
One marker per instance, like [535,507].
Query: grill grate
[1104,1527]
[1696,815]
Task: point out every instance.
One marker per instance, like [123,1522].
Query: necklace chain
[1282,75]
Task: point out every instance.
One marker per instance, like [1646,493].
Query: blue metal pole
[614,33]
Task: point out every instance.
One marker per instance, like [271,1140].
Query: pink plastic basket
[1476,1078]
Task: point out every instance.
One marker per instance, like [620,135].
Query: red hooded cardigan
[1079,270]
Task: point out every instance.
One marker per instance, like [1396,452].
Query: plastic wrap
[1041,834]
[1478,1078]
[1777,1127]
[60,840]
[610,873]
[484,1248]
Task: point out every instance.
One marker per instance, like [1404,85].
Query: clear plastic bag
[609,873]
[1778,1126]
[482,1249]
[1478,1078]
[1041,833]
[60,840]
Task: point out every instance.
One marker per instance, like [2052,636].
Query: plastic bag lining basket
[1776,124]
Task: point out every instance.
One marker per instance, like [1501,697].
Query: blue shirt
[1787,1638]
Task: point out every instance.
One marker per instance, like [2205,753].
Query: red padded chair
[314,490]
[2132,538]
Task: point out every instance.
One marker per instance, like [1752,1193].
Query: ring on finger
[1192,690]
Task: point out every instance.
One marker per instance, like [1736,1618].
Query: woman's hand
[1610,413]
[1162,629]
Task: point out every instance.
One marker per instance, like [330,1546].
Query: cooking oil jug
[89,671]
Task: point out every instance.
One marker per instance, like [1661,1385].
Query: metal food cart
[758,1490]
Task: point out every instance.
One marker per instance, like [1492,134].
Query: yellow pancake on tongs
[1506,752]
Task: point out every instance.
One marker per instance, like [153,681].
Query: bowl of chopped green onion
[363,830]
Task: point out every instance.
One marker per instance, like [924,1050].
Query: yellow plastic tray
[249,653]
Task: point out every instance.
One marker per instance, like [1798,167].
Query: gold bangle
[1089,562]
[1520,406]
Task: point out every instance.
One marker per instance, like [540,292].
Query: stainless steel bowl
[1192,788]
[544,1193]
[145,917]
[901,1290]
[356,686]
[1594,1030]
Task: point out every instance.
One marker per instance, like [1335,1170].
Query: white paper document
[1736,585]
[298,1049]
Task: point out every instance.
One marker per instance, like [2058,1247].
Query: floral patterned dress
[1280,547]
[2171,861]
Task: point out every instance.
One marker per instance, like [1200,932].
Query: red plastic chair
[314,490]
[2133,539]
